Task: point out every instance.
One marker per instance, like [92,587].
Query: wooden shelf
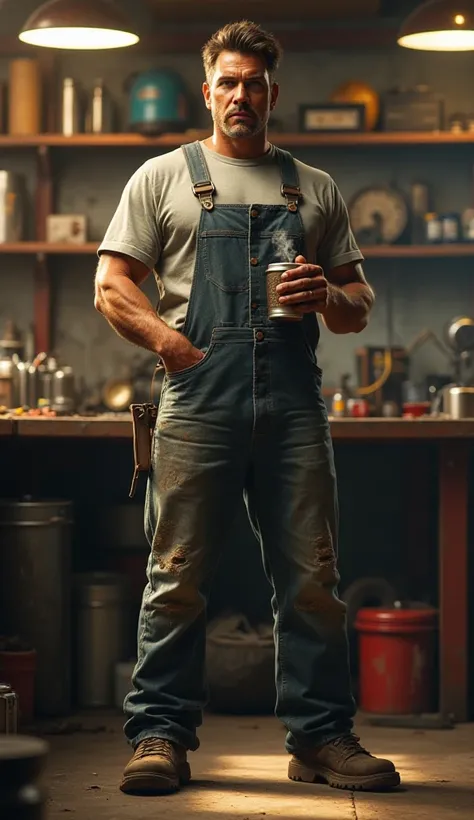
[48,248]
[282,139]
[364,430]
[101,140]
[372,252]
[418,251]
[375,138]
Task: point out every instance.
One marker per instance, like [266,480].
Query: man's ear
[206,93]
[274,95]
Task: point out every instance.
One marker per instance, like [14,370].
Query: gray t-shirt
[158,216]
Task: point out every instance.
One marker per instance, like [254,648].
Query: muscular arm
[349,300]
[119,298]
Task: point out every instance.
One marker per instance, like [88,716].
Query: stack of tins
[397,649]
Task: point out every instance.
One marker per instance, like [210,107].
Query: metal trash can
[23,795]
[101,635]
[35,597]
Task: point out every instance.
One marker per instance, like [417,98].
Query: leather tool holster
[144,420]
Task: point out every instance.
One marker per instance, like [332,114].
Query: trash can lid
[377,619]
[22,747]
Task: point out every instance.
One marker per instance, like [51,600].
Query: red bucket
[397,650]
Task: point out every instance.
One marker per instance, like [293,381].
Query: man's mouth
[241,115]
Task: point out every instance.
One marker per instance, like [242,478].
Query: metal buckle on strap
[204,192]
[292,195]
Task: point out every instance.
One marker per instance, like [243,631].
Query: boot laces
[155,746]
[350,746]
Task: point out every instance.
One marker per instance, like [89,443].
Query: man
[240,412]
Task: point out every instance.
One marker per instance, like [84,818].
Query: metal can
[8,710]
[338,406]
[451,227]
[468,224]
[277,311]
[433,227]
[358,408]
[23,795]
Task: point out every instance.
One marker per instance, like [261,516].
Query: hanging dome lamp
[440,25]
[78,25]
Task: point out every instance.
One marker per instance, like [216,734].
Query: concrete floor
[240,772]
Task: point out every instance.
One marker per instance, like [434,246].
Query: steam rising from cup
[284,247]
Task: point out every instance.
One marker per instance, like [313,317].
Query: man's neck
[251,148]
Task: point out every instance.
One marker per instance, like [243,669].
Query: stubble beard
[241,130]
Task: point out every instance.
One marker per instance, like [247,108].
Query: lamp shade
[440,25]
[79,25]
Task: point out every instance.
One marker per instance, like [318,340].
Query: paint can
[397,659]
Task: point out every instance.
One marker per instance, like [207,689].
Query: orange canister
[24,97]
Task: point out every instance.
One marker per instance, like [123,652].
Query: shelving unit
[290,140]
[370,252]
[46,143]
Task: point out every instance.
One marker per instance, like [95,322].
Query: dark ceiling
[14,12]
[281,10]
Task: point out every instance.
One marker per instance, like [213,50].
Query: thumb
[300,259]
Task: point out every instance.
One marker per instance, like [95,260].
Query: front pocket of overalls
[226,262]
[177,374]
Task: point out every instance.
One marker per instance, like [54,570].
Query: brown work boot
[344,764]
[157,767]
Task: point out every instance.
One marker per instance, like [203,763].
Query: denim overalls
[248,418]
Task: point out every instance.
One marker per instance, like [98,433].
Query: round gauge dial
[378,215]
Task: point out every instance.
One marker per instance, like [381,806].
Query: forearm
[130,313]
[348,307]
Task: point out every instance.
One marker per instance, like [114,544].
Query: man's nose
[241,93]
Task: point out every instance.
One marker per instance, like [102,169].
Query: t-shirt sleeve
[338,246]
[133,229]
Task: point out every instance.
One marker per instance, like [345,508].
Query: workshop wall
[412,294]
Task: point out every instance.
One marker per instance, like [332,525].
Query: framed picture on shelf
[332,117]
[66,228]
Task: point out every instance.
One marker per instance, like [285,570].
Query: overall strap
[290,184]
[202,185]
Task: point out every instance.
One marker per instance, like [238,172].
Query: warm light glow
[290,806]
[256,778]
[268,767]
[459,19]
[79,39]
[250,767]
[439,40]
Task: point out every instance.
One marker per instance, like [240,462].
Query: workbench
[452,439]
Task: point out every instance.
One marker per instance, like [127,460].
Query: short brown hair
[245,37]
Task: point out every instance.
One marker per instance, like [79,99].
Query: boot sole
[383,781]
[154,782]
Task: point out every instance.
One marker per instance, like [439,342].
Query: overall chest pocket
[225,259]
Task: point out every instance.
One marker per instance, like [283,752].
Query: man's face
[240,94]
